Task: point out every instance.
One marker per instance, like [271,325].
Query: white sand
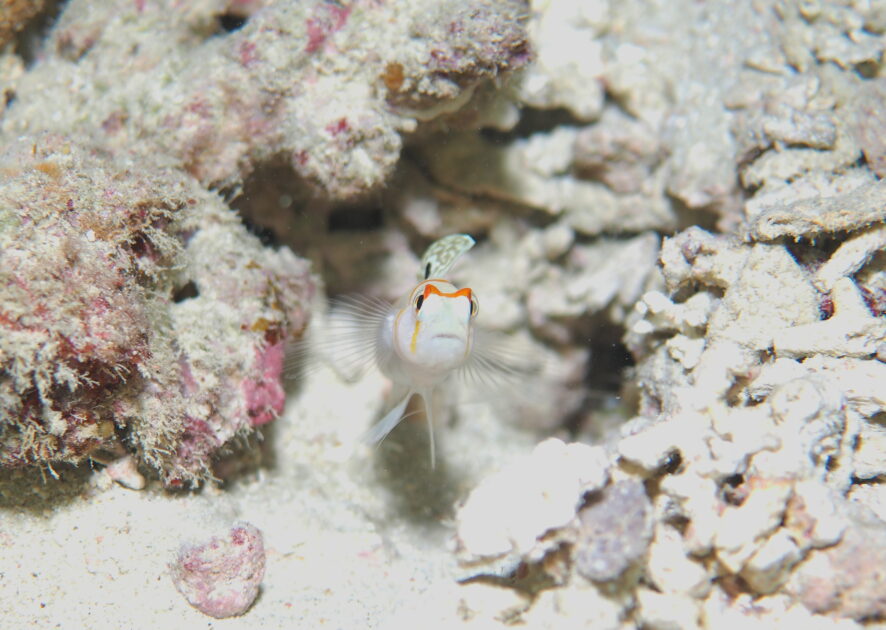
[349,540]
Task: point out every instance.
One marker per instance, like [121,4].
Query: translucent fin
[521,380]
[497,360]
[380,429]
[347,338]
[429,416]
[442,254]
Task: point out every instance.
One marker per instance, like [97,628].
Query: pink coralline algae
[134,310]
[325,19]
[264,395]
[221,578]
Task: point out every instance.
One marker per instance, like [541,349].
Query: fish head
[434,330]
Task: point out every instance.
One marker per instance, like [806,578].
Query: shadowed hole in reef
[349,245]
[230,22]
[185,292]
[28,42]
[356,219]
[266,235]
[609,360]
[345,241]
[533,121]
[812,255]
[608,398]
[277,207]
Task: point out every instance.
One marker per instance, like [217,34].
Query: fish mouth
[448,336]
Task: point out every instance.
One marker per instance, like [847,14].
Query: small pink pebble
[221,577]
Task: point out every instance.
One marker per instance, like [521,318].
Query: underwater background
[680,227]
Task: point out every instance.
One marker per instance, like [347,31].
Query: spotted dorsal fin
[442,254]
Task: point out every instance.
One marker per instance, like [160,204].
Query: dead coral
[614,531]
[136,305]
[846,580]
[512,516]
[76,318]
[221,577]
[299,80]
[774,418]
[817,211]
[95,347]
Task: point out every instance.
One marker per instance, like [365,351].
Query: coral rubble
[135,307]
[759,341]
[221,577]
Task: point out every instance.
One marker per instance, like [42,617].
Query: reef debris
[222,576]
[135,309]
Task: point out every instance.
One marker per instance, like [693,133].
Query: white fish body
[418,342]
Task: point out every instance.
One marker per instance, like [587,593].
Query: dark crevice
[733,490]
[609,359]
[703,217]
[533,121]
[609,366]
[185,292]
[29,42]
[811,255]
[867,69]
[673,463]
[230,22]
[355,219]
[266,235]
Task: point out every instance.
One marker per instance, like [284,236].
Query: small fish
[420,341]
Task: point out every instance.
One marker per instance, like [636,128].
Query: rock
[847,579]
[614,531]
[672,569]
[505,519]
[221,577]
[658,611]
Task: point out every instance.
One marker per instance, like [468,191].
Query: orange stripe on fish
[414,339]
[430,288]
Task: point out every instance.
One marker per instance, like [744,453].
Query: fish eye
[419,300]
[475,305]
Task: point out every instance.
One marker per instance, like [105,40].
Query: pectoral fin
[380,429]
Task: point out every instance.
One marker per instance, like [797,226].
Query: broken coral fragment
[125,472]
[614,531]
[569,62]
[811,216]
[504,520]
[666,611]
[672,569]
[725,609]
[771,291]
[854,253]
[847,579]
[221,577]
[742,529]
[852,331]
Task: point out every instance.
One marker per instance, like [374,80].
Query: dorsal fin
[442,254]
